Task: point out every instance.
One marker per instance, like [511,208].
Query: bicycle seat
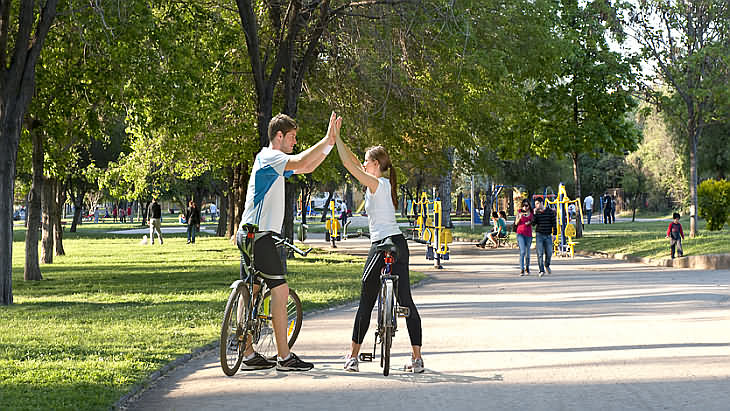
[388,246]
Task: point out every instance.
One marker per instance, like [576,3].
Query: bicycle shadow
[429,376]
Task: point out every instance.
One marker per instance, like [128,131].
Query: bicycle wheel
[232,330]
[387,317]
[385,345]
[265,343]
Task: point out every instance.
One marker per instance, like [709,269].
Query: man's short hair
[283,123]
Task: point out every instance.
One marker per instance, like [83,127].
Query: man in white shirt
[588,205]
[213,212]
[265,209]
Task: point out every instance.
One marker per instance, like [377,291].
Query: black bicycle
[388,308]
[247,320]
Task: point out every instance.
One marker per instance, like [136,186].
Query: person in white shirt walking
[588,206]
[213,212]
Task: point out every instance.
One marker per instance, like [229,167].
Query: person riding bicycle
[380,203]
[265,209]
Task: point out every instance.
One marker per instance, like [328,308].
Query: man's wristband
[328,148]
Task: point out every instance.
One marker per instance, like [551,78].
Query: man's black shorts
[266,258]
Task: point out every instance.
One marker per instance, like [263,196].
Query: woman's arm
[354,166]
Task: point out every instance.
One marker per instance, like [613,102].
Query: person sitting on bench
[500,230]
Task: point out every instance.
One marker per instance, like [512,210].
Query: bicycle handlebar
[282,241]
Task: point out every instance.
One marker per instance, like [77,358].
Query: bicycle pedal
[404,312]
[366,357]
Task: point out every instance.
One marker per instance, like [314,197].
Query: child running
[675,234]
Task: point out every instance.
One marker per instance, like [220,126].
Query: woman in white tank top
[380,203]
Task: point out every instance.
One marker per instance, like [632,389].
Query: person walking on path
[545,226]
[523,224]
[381,200]
[675,234]
[606,209]
[588,205]
[265,210]
[213,212]
[129,214]
[192,218]
[154,212]
[343,215]
[613,208]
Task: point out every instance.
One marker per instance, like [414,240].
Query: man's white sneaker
[351,364]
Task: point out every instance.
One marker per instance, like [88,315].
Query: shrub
[713,198]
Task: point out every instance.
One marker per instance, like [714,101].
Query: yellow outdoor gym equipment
[333,227]
[564,245]
[429,230]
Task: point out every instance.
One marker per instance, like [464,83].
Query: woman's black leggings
[371,289]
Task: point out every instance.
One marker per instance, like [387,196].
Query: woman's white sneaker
[351,364]
[416,366]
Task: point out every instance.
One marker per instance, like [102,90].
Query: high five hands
[333,130]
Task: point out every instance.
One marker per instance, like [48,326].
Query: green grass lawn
[647,239]
[112,311]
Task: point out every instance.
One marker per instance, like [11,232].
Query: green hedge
[713,197]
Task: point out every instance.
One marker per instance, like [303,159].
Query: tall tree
[687,44]
[23,30]
[588,107]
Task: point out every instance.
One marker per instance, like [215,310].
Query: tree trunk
[8,153]
[60,206]
[17,84]
[445,190]
[290,204]
[693,135]
[304,193]
[576,179]
[48,201]
[637,198]
[241,194]
[232,191]
[220,231]
[32,270]
[78,208]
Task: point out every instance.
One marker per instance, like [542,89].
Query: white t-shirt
[265,193]
[381,213]
[588,203]
[213,209]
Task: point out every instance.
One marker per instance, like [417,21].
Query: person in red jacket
[675,234]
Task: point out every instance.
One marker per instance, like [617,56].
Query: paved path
[595,335]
